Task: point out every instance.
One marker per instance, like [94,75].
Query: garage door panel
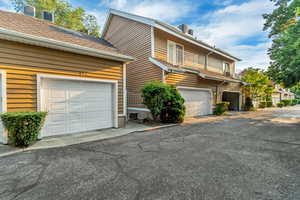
[197,102]
[76,106]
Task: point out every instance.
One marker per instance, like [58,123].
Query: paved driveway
[249,156]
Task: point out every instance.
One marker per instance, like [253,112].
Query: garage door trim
[47,76]
[200,89]
[3,105]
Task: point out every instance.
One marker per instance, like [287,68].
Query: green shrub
[23,127]
[294,102]
[221,108]
[269,104]
[286,102]
[262,104]
[280,104]
[164,102]
[249,104]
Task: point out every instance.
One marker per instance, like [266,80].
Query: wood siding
[23,62]
[134,39]
[194,56]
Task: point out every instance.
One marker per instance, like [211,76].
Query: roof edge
[63,46]
[201,74]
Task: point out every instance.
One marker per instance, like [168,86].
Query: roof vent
[184,28]
[49,16]
[191,32]
[29,10]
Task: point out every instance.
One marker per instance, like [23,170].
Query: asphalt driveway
[247,156]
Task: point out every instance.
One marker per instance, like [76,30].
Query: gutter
[63,46]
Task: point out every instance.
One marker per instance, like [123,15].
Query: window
[175,53]
[226,67]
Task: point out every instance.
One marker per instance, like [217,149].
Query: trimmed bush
[280,104]
[23,127]
[221,108]
[262,104]
[286,102]
[249,104]
[269,104]
[294,102]
[164,101]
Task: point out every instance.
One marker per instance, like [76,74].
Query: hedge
[221,108]
[23,127]
[164,102]
[286,102]
[280,104]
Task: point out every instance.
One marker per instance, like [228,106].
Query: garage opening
[233,98]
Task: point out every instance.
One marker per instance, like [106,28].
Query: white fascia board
[63,46]
[155,62]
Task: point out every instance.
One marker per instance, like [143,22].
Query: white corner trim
[139,109]
[63,46]
[201,89]
[152,42]
[124,90]
[155,62]
[40,103]
[163,74]
[4,104]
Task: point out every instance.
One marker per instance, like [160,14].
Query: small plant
[280,105]
[23,127]
[294,102]
[269,104]
[221,108]
[286,102]
[262,104]
[164,102]
[249,104]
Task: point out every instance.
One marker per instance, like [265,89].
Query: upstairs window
[175,53]
[226,67]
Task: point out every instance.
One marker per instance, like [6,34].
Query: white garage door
[197,102]
[76,106]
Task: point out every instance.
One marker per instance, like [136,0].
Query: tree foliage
[258,84]
[65,15]
[283,25]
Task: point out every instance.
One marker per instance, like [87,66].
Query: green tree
[259,85]
[65,15]
[296,90]
[284,26]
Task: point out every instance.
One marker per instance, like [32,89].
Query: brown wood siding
[191,51]
[23,62]
[134,39]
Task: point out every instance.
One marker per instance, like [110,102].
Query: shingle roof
[45,29]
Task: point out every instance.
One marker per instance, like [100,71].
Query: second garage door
[76,106]
[197,101]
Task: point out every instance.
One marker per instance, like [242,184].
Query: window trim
[174,52]
[224,67]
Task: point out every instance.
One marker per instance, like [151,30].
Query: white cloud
[229,27]
[167,10]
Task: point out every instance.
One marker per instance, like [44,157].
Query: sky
[232,25]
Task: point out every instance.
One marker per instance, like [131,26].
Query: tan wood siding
[134,39]
[23,62]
